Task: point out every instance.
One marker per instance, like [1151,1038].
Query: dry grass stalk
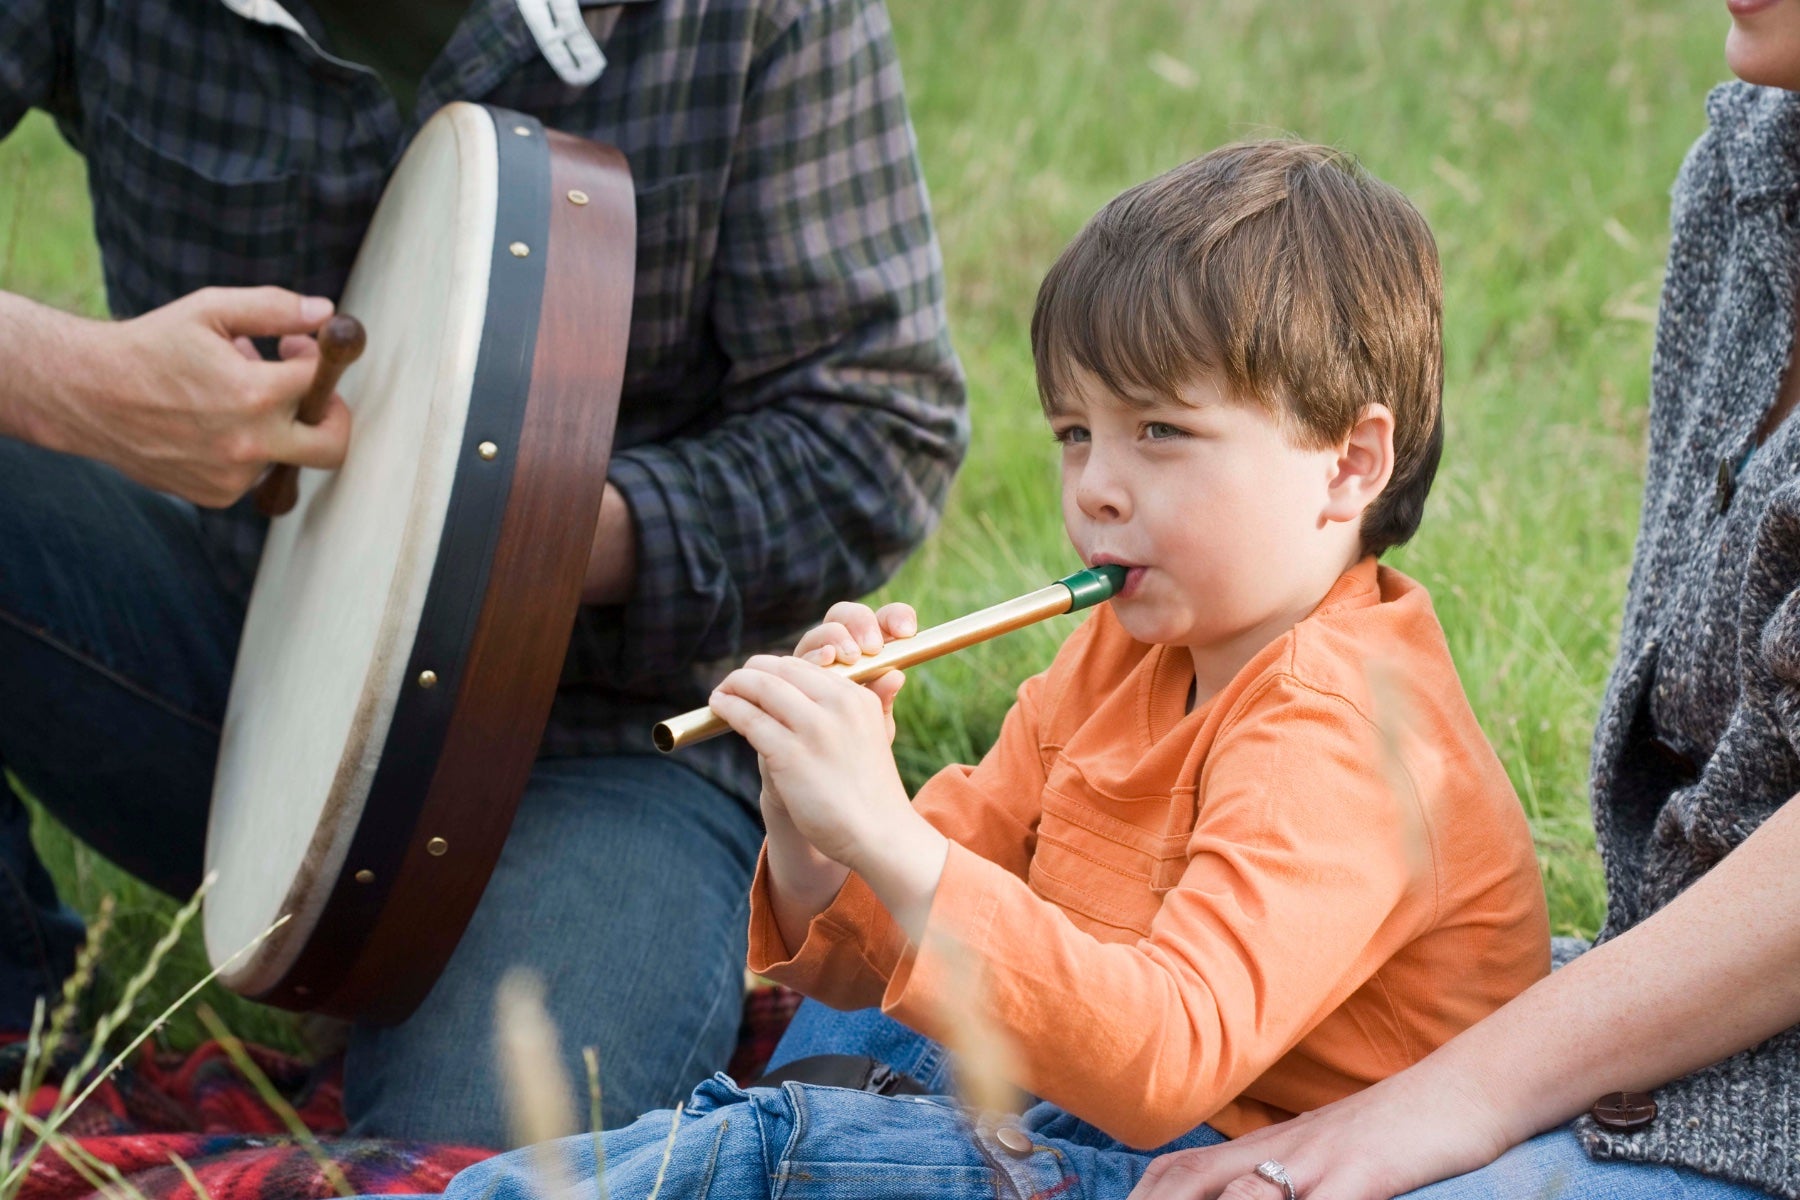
[31,1074]
[539,1106]
[1395,727]
[240,1058]
[187,1173]
[102,1176]
[41,1046]
[984,1061]
[62,1107]
[662,1168]
[591,1056]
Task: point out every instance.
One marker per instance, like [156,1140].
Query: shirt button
[1622,1112]
[1014,1140]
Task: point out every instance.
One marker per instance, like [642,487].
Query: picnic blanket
[199,1107]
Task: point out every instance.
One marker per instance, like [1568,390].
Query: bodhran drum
[411,614]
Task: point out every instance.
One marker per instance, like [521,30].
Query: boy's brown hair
[1285,271]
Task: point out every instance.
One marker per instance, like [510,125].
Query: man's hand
[170,398]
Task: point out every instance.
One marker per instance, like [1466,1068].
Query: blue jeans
[624,882]
[802,1140]
[820,1029]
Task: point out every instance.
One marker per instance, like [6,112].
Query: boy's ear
[1365,463]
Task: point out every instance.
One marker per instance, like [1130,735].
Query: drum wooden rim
[503,594]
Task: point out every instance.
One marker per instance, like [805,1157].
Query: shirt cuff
[933,979]
[853,915]
[657,630]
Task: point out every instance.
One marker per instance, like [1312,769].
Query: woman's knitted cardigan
[1699,732]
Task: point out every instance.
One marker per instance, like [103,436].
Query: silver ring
[1274,1172]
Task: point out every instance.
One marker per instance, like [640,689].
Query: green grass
[1539,137]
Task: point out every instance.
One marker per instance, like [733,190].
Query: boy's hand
[829,776]
[851,630]
[824,748]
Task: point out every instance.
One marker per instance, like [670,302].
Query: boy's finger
[764,733]
[898,620]
[769,688]
[887,686]
[829,633]
[859,622]
[820,688]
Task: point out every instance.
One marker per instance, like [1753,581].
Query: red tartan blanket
[199,1107]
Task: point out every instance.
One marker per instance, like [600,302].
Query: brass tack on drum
[365,876]
[427,679]
[577,196]
[519,249]
[522,130]
[487,450]
[437,847]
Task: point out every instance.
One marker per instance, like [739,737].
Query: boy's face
[1218,515]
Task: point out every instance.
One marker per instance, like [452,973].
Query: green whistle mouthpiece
[1088,588]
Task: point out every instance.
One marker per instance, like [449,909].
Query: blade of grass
[102,1176]
[62,1111]
[240,1058]
[187,1173]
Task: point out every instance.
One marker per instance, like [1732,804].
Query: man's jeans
[624,883]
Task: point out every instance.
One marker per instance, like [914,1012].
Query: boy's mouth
[1134,573]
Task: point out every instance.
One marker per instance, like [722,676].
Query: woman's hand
[1710,974]
[1398,1135]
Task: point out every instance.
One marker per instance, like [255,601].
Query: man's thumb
[263,311]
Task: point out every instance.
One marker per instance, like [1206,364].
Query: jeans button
[1014,1140]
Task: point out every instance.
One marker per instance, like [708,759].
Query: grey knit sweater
[1699,733]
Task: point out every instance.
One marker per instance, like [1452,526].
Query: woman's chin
[1768,58]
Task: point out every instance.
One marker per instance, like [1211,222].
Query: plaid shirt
[792,411]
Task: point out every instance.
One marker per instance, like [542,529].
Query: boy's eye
[1160,431]
[1070,435]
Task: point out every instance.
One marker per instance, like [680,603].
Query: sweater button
[1727,484]
[1014,1140]
[1623,1112]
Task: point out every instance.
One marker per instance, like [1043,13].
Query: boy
[1242,849]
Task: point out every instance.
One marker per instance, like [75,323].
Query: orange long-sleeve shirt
[1228,915]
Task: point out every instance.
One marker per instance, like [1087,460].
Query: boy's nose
[1102,495]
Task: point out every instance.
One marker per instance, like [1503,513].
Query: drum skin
[412,613]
